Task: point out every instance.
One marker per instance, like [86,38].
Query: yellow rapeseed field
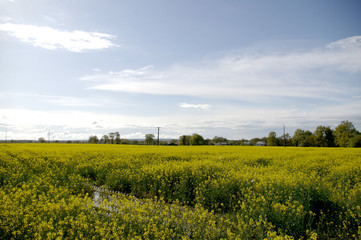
[48,191]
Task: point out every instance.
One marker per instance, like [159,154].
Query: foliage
[355,141]
[149,139]
[217,139]
[324,137]
[302,138]
[184,140]
[196,139]
[105,139]
[114,137]
[93,139]
[345,135]
[272,139]
[207,192]
[344,132]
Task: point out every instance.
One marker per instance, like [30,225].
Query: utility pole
[284,135]
[158,137]
[6,135]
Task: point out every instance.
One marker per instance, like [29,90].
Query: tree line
[344,135]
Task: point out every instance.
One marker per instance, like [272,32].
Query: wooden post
[158,137]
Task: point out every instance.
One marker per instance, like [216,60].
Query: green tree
[297,137]
[285,137]
[184,140]
[344,132]
[272,139]
[196,139]
[254,141]
[217,139]
[105,139]
[355,141]
[149,139]
[112,137]
[324,137]
[93,139]
[117,138]
[208,141]
[302,138]
[41,140]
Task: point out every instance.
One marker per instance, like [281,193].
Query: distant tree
[298,137]
[173,142]
[196,139]
[285,137]
[125,141]
[41,140]
[245,142]
[149,139]
[217,139]
[324,137]
[344,132]
[310,139]
[117,138]
[272,139]
[254,141]
[302,138]
[234,142]
[184,140]
[112,137]
[93,139]
[105,139]
[355,141]
[208,141]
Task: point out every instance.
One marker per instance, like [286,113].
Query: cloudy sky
[237,69]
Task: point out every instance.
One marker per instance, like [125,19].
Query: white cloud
[197,106]
[136,135]
[64,101]
[71,101]
[233,122]
[259,77]
[329,76]
[50,38]
[350,42]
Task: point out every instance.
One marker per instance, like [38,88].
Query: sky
[234,68]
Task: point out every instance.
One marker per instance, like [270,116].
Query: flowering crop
[208,192]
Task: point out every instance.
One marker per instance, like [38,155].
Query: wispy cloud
[72,101]
[350,42]
[258,77]
[62,101]
[197,106]
[229,121]
[50,38]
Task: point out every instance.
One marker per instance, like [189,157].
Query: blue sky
[237,69]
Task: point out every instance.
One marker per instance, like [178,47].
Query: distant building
[261,143]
